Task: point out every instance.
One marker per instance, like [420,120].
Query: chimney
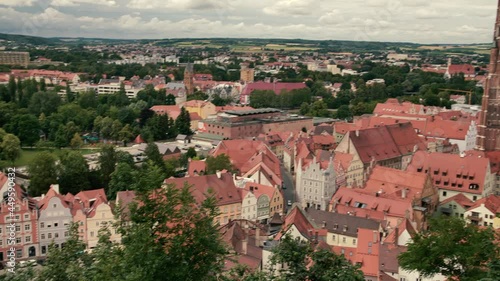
[324,224]
[55,187]
[357,133]
[316,238]
[257,236]
[403,193]
[219,174]
[396,234]
[375,236]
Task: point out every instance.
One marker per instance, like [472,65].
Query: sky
[418,21]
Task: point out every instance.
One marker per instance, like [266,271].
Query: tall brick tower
[189,79]
[488,138]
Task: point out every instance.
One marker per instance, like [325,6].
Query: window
[49,235]
[56,235]
[91,234]
[26,216]
[27,239]
[27,227]
[18,228]
[56,224]
[54,206]
[444,193]
[474,198]
[19,240]
[44,249]
[343,239]
[19,253]
[43,236]
[354,241]
[42,225]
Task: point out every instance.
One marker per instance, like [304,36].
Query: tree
[46,102]
[297,254]
[170,100]
[218,163]
[10,147]
[123,178]
[344,112]
[183,123]
[452,248]
[174,241]
[73,172]
[70,97]
[43,172]
[26,127]
[107,163]
[126,135]
[260,99]
[76,142]
[153,155]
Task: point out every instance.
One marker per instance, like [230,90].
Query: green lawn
[27,154]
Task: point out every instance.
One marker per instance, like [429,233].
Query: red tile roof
[277,87]
[460,199]
[172,110]
[491,202]
[297,218]
[225,190]
[466,69]
[385,142]
[196,167]
[246,155]
[451,171]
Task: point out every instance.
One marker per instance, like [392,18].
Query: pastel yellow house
[100,216]
[484,211]
[203,108]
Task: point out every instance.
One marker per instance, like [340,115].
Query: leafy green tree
[10,147]
[183,123]
[12,88]
[73,172]
[126,135]
[296,256]
[344,112]
[65,133]
[218,163]
[88,99]
[170,100]
[46,102]
[76,142]
[261,99]
[107,163]
[123,178]
[26,127]
[43,172]
[153,154]
[70,97]
[174,241]
[452,248]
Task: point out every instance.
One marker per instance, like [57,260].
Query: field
[27,154]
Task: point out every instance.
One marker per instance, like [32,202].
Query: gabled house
[54,218]
[25,220]
[455,206]
[316,181]
[484,211]
[252,159]
[467,173]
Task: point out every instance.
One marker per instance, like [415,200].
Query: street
[289,190]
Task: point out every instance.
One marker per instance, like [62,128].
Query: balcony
[474,218]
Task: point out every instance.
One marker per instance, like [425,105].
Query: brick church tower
[488,138]
[189,79]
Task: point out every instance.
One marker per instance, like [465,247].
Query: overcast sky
[420,21]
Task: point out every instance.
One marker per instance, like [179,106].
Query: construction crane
[460,91]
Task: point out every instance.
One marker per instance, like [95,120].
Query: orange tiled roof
[451,171]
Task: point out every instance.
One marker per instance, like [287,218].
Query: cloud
[16,3]
[428,14]
[179,4]
[72,3]
[334,17]
[438,21]
[291,7]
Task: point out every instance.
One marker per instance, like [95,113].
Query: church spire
[489,117]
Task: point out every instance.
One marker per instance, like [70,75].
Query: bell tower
[488,138]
